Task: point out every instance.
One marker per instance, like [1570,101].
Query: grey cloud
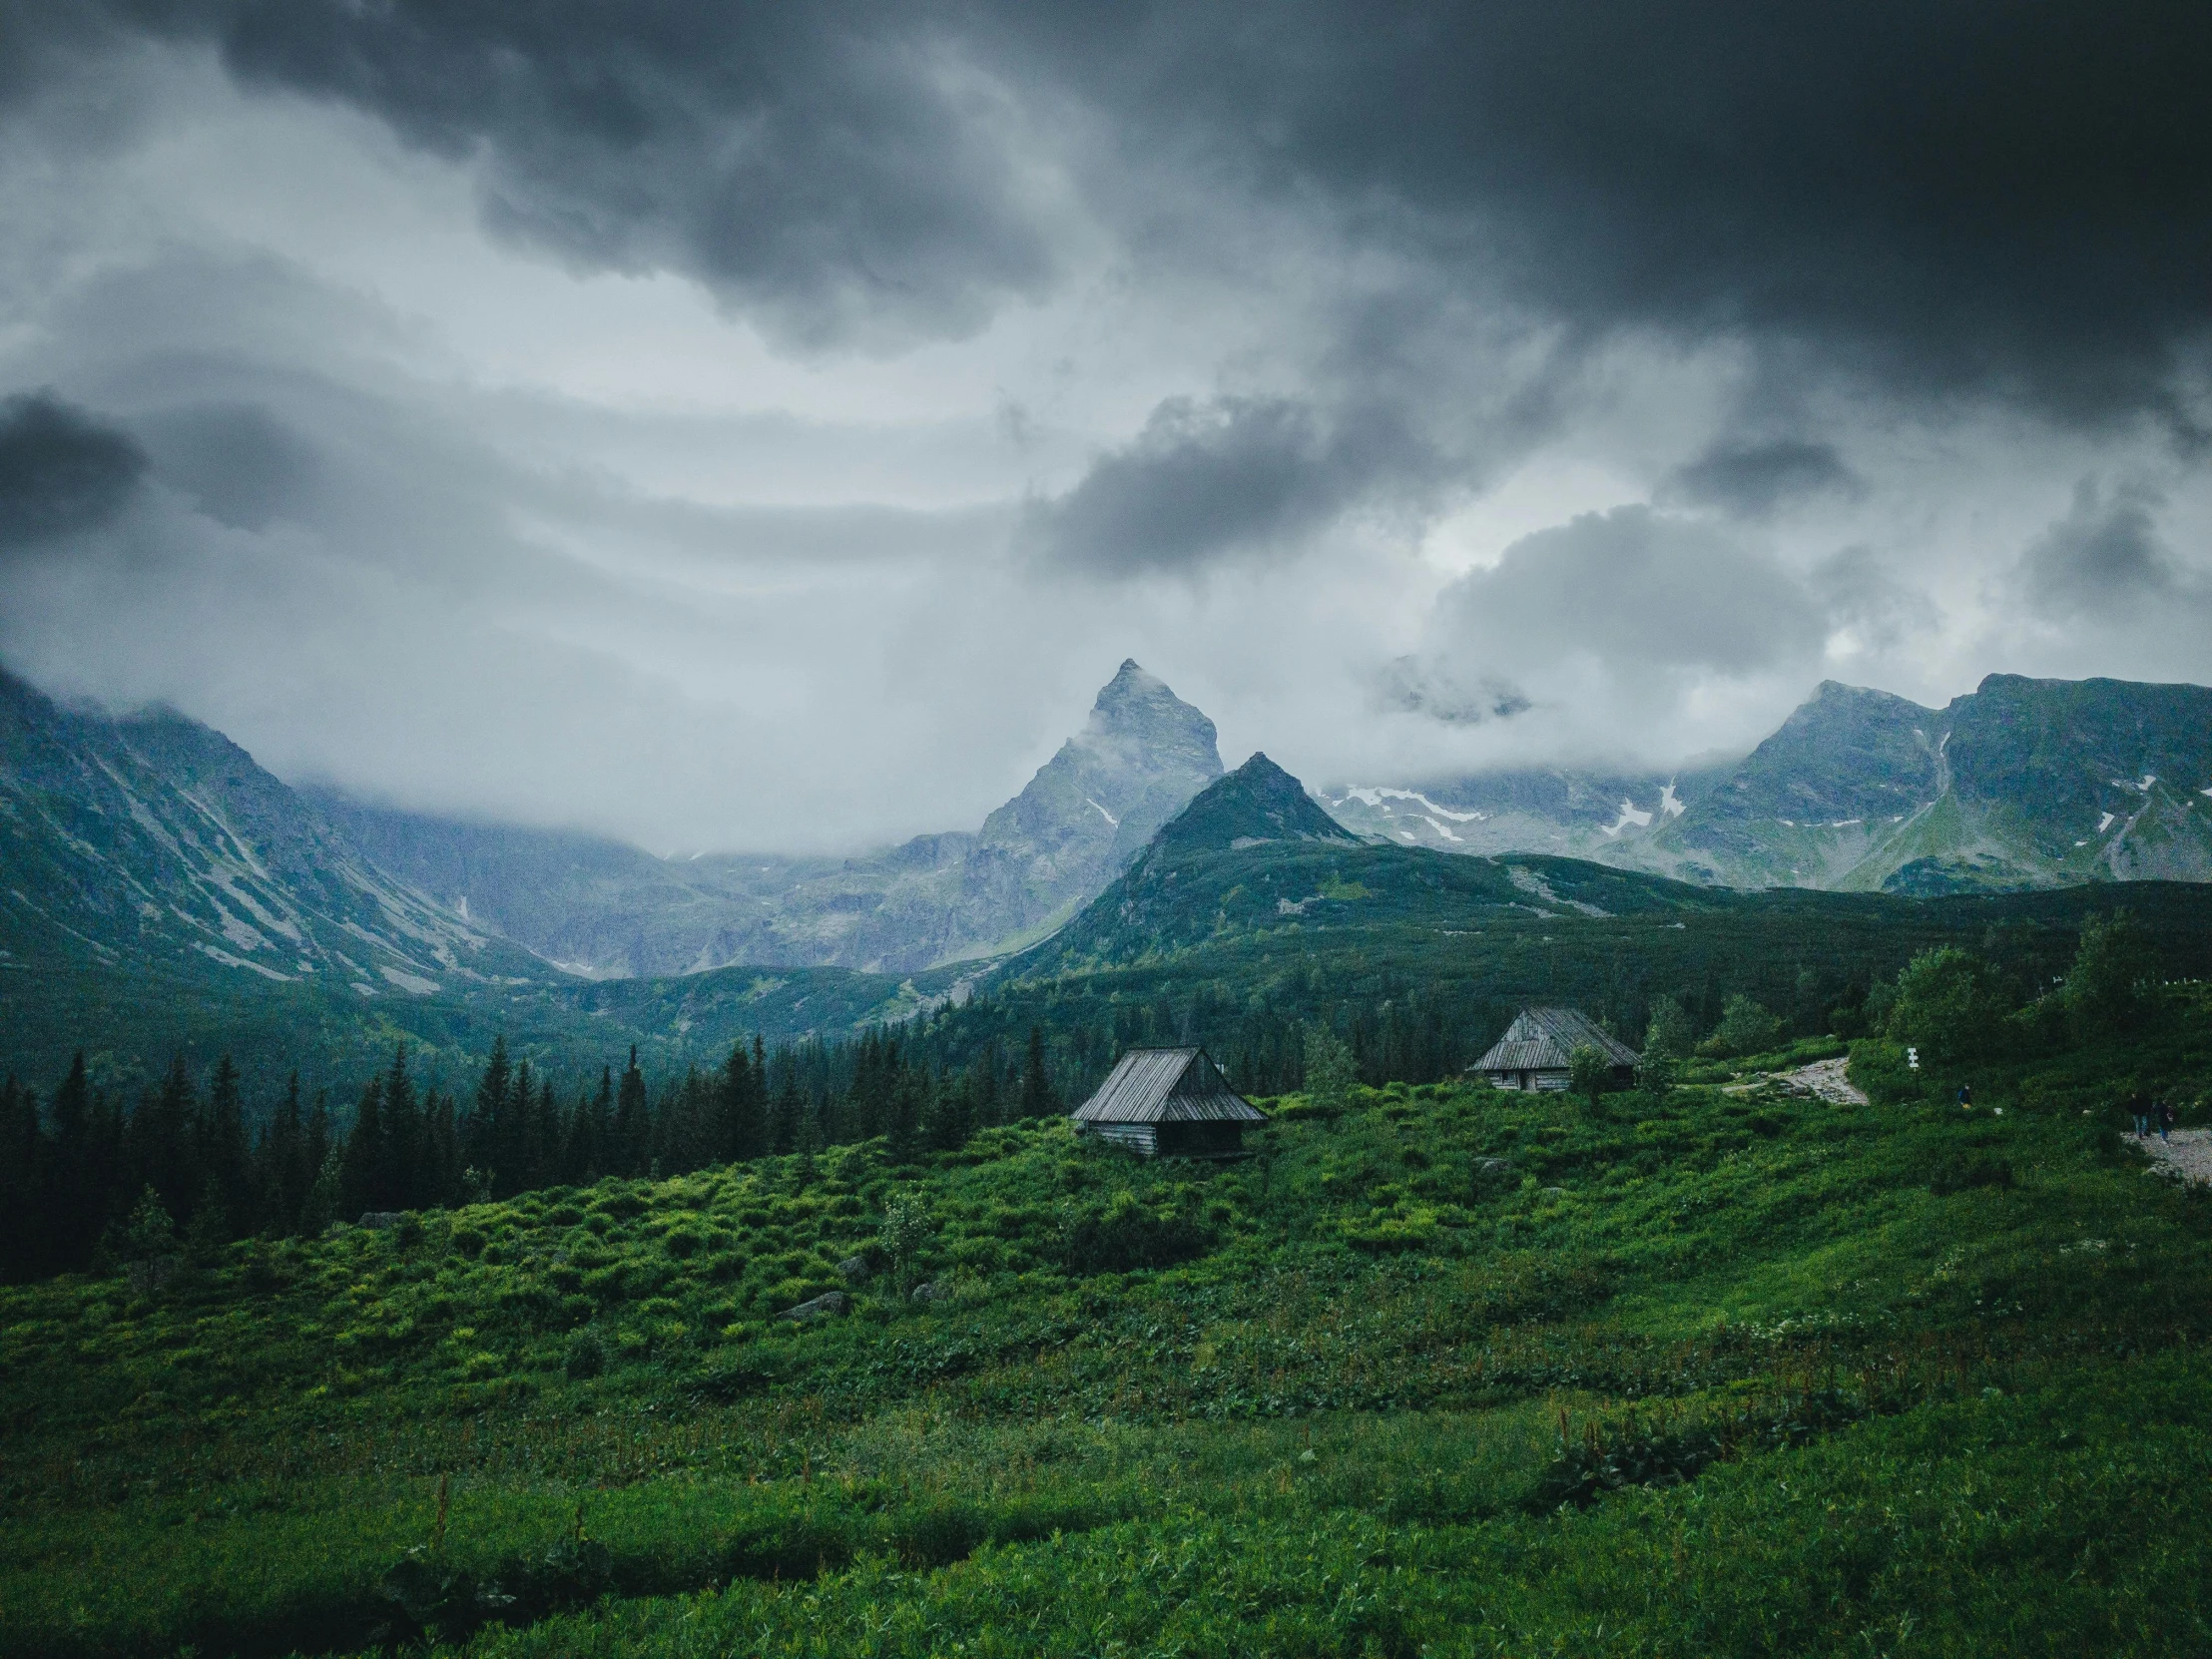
[838,175]
[1413,685]
[1757,480]
[1947,199]
[2105,558]
[61,471]
[1207,479]
[1862,595]
[238,462]
[1656,603]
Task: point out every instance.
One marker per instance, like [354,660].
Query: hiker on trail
[1965,1097]
[2138,1106]
[2164,1111]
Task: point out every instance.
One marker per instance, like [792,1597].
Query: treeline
[81,1170]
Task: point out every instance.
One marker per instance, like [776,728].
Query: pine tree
[399,1167]
[280,1176]
[789,1108]
[487,1118]
[744,1092]
[360,1163]
[77,1200]
[224,1155]
[26,1176]
[633,1128]
[161,1141]
[1037,1096]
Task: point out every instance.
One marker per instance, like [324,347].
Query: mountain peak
[1258,801]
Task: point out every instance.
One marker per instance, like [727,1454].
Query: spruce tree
[26,1179]
[633,1130]
[77,1200]
[399,1168]
[224,1151]
[1038,1097]
[361,1162]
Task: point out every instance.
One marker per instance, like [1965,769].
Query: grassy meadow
[1723,1370]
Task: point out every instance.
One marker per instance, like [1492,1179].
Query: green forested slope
[1896,1378]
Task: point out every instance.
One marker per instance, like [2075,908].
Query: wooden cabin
[1536,1049]
[1168,1103]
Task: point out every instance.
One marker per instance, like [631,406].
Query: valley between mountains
[169,895]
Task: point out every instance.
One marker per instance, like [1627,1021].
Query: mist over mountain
[603,909]
[153,838]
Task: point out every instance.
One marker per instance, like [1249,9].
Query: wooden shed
[1536,1051]
[1168,1103]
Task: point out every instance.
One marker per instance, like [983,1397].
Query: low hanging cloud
[2105,559]
[61,470]
[1758,480]
[1230,475]
[1621,618]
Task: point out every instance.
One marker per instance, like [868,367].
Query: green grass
[1887,1410]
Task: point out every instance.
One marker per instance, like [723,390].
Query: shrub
[1746,1027]
[586,1356]
[1960,1174]
[1125,1236]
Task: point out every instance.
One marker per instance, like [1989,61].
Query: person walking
[2163,1112]
[2139,1107]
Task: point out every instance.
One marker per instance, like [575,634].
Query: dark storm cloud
[1757,480]
[1228,476]
[828,172]
[61,470]
[1948,197]
[238,462]
[2104,559]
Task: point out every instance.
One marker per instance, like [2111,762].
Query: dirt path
[2188,1154]
[1823,1079]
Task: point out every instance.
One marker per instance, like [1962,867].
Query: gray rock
[824,1306]
[854,1268]
[377,1220]
[934,1291]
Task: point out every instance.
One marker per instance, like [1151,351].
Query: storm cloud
[61,471]
[1756,480]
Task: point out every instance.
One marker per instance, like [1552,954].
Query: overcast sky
[767,425]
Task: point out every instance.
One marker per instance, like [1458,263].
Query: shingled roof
[1543,1039]
[1167,1085]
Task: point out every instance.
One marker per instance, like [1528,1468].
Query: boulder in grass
[854,1268]
[824,1306]
[377,1220]
[937,1289]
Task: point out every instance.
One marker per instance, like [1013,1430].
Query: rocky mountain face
[1581,815]
[2020,783]
[153,838]
[1257,802]
[604,909]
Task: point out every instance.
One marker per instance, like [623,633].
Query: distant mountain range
[151,837]
[2022,783]
[606,909]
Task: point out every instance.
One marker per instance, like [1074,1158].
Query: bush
[585,1357]
[1961,1174]
[1125,1236]
[1746,1027]
[1949,1004]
